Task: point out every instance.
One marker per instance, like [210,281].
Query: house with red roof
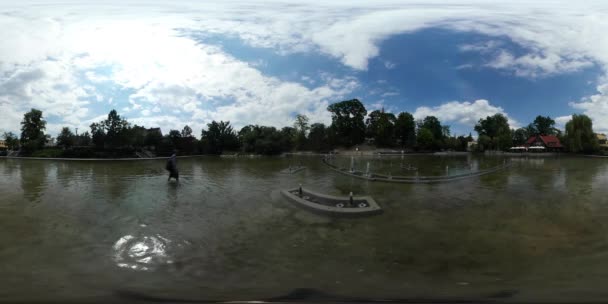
[544,143]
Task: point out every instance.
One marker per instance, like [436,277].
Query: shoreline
[98,159]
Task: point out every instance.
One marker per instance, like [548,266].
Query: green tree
[301,127]
[32,130]
[137,136]
[175,136]
[289,137]
[425,139]
[98,135]
[433,124]
[317,138]
[381,127]
[496,127]
[116,130]
[187,131]
[347,121]
[84,139]
[11,140]
[65,138]
[544,125]
[579,134]
[187,142]
[153,138]
[520,136]
[405,129]
[218,137]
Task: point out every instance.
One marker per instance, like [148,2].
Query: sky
[174,63]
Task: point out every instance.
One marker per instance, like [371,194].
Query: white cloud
[147,49]
[389,65]
[463,113]
[596,107]
[389,94]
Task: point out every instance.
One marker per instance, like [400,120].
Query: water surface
[95,229]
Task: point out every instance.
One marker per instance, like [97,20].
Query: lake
[100,230]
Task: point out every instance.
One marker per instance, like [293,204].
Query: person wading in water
[172,167]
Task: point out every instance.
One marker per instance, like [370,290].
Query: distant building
[50,142]
[3,145]
[544,143]
[471,145]
[602,140]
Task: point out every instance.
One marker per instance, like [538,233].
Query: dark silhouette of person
[172,167]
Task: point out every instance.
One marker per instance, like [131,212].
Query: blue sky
[263,62]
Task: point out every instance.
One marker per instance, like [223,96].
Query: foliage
[32,130]
[425,138]
[301,129]
[116,130]
[579,135]
[218,137]
[318,138]
[153,138]
[543,125]
[381,127]
[65,138]
[520,136]
[98,135]
[48,152]
[405,130]
[347,121]
[11,140]
[496,127]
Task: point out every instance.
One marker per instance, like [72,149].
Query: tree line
[351,126]
[495,134]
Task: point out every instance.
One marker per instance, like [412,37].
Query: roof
[550,141]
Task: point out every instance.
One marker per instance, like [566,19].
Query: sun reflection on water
[141,252]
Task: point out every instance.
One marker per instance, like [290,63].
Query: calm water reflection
[89,229]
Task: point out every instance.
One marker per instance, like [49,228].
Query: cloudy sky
[172,63]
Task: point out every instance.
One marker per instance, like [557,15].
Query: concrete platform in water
[333,205]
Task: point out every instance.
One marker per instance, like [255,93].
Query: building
[544,143]
[602,140]
[50,142]
[471,145]
[3,145]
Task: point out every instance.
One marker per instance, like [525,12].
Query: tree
[520,136]
[347,121]
[11,140]
[433,124]
[496,127]
[301,128]
[98,135]
[544,125]
[187,142]
[32,130]
[116,130]
[175,136]
[153,138]
[187,131]
[65,138]
[405,129]
[381,127]
[579,134]
[425,138]
[84,139]
[218,137]
[289,137]
[317,138]
[137,136]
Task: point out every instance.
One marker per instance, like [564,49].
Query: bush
[48,152]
